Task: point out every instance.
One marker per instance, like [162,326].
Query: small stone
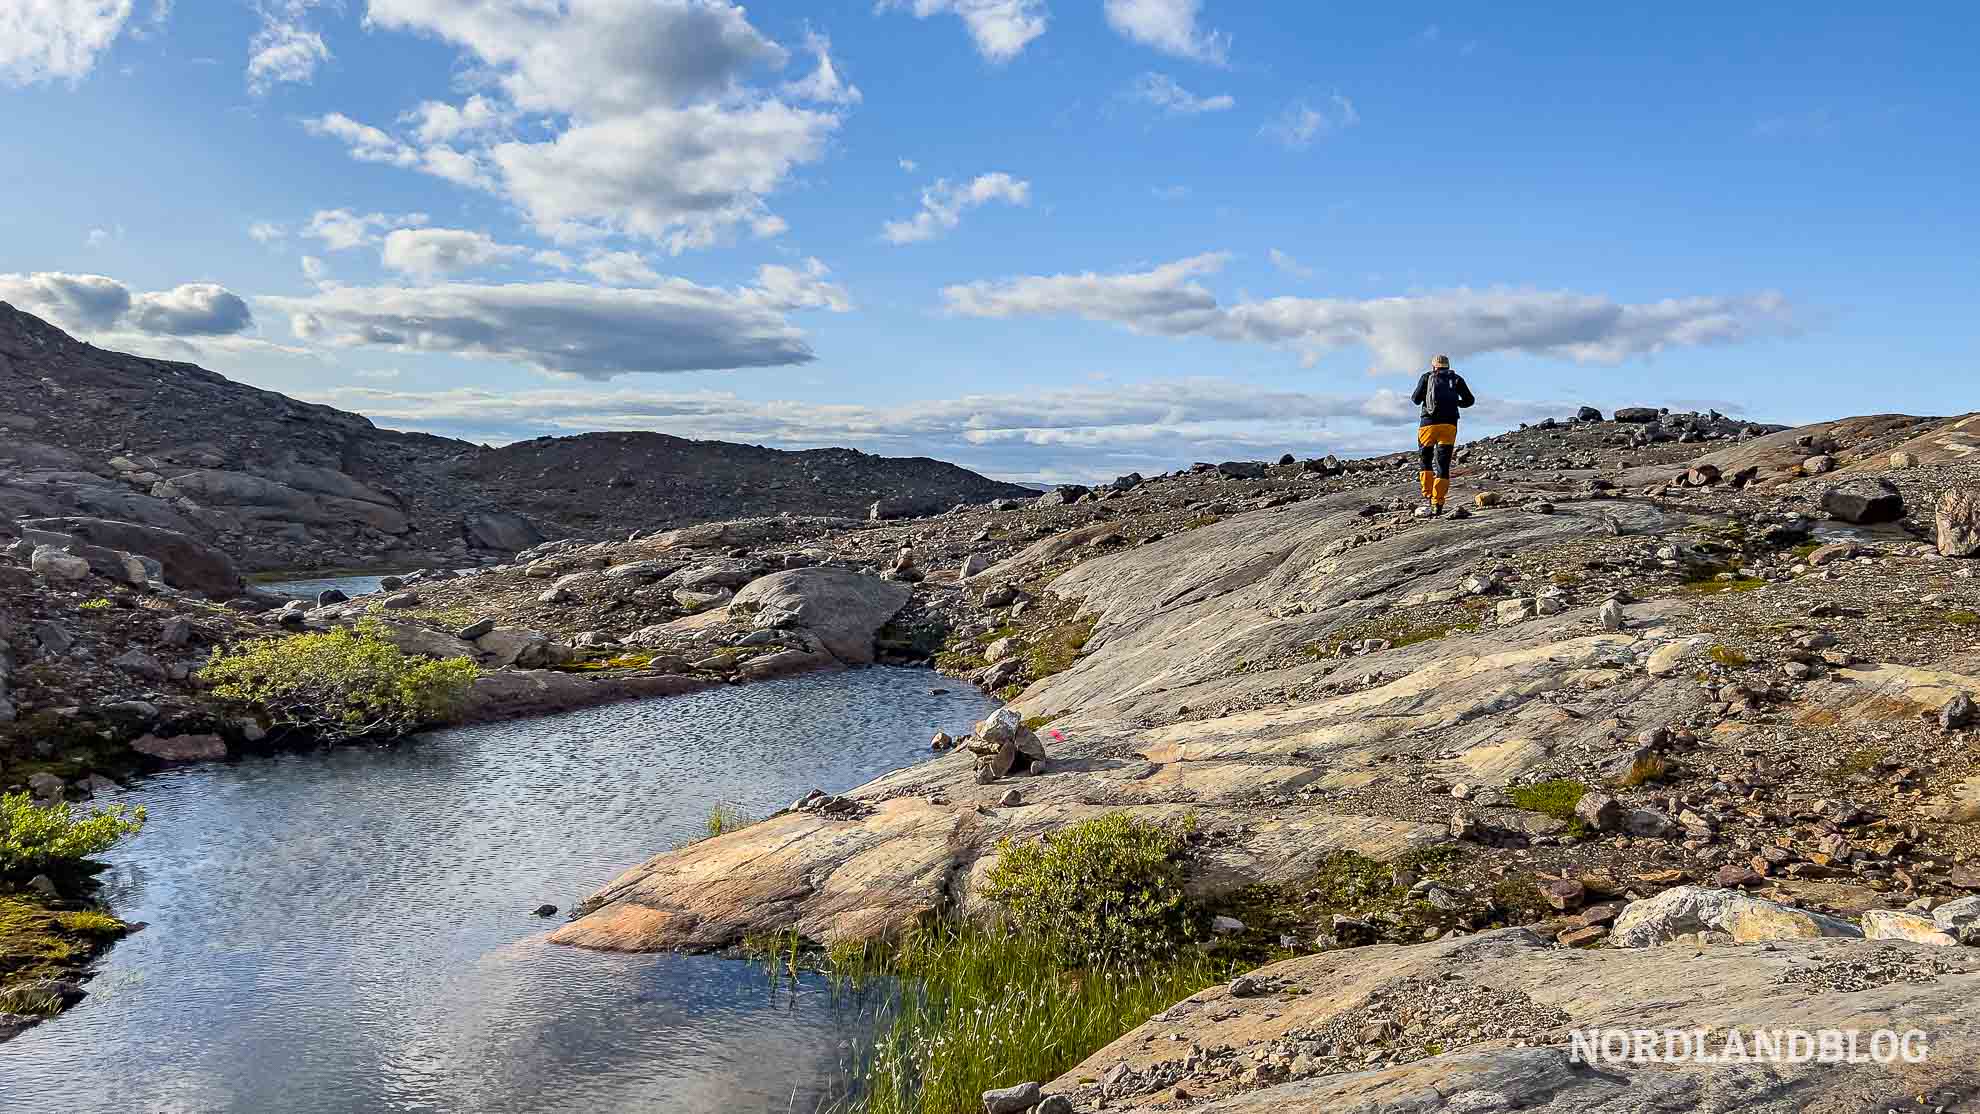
[1563,894]
[1244,986]
[1599,811]
[1486,499]
[1011,799]
[1221,925]
[1055,1104]
[545,910]
[1585,937]
[402,601]
[45,886]
[1957,712]
[475,630]
[1612,616]
[47,786]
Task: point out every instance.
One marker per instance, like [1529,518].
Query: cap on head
[1441,362]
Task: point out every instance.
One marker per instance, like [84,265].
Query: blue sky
[1047,239]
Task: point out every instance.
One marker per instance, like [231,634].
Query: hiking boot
[1436,509]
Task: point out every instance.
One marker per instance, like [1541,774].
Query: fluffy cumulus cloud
[97,304]
[56,40]
[432,252]
[342,230]
[643,118]
[1077,434]
[1164,92]
[285,50]
[1170,26]
[572,328]
[1400,333]
[1300,124]
[942,206]
[1001,29]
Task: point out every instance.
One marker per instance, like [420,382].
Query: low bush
[1109,889]
[342,684]
[38,839]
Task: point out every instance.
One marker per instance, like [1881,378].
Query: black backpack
[1440,393]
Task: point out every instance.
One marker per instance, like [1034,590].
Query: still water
[350,930]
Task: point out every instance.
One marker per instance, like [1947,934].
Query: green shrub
[341,684]
[1105,889]
[1728,656]
[98,604]
[35,839]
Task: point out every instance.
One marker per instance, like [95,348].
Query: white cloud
[1169,26]
[620,268]
[284,50]
[1169,193]
[315,270]
[96,304]
[97,237]
[627,117]
[561,327]
[791,288]
[438,122]
[678,176]
[942,205]
[1401,333]
[1001,29]
[1288,264]
[823,84]
[195,309]
[56,40]
[1163,91]
[267,232]
[599,58]
[342,230]
[553,259]
[431,252]
[1300,124]
[909,166]
[377,373]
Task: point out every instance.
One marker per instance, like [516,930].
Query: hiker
[1441,392]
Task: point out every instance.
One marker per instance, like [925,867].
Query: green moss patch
[1555,798]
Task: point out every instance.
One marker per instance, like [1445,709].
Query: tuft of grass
[1649,768]
[1863,760]
[1714,587]
[38,942]
[604,664]
[726,818]
[1519,901]
[1201,521]
[1555,798]
[98,604]
[1033,723]
[973,1008]
[1963,618]
[1058,647]
[1728,656]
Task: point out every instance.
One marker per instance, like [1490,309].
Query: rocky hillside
[282,484]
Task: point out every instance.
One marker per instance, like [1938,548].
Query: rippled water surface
[350,930]
[307,589]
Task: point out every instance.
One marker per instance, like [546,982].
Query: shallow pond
[350,930]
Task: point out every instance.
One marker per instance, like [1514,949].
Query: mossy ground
[1054,649]
[44,940]
[1555,798]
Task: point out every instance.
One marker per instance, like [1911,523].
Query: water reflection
[350,930]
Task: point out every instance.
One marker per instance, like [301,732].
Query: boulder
[524,649]
[1959,919]
[1011,1100]
[1638,414]
[1864,500]
[1959,523]
[1687,909]
[415,639]
[141,664]
[1588,414]
[1885,924]
[905,506]
[1242,469]
[843,608]
[181,748]
[184,562]
[58,567]
[973,564]
[1600,811]
[500,530]
[1819,464]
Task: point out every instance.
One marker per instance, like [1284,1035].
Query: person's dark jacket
[1446,414]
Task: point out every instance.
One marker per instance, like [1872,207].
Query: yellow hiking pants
[1435,443]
